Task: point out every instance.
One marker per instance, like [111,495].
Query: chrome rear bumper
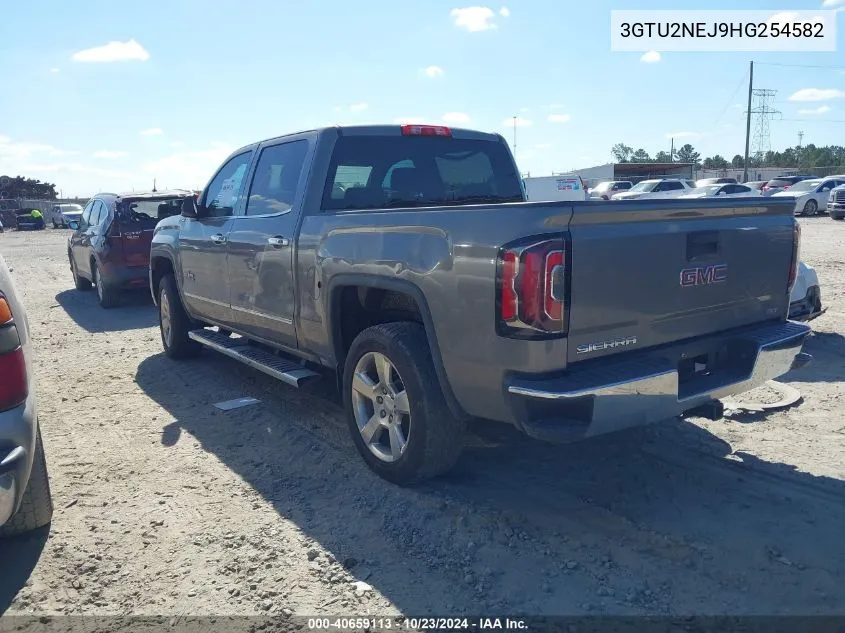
[645,388]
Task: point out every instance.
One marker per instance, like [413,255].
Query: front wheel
[396,412]
[174,323]
[811,208]
[109,297]
[79,282]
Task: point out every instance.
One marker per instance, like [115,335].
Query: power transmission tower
[764,112]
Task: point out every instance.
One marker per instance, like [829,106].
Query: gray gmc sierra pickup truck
[405,261]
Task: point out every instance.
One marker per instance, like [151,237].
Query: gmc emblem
[704,275]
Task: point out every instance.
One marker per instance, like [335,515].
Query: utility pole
[154,185]
[748,121]
[800,138]
[672,151]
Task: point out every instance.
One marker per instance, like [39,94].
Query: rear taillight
[785,187]
[13,383]
[796,252]
[426,130]
[532,288]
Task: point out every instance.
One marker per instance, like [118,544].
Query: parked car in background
[758,186]
[110,245]
[714,181]
[656,188]
[29,220]
[604,190]
[62,214]
[811,196]
[782,183]
[806,298]
[25,502]
[709,191]
[836,203]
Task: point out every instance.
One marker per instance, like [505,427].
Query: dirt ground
[166,505]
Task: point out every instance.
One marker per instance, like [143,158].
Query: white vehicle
[805,302]
[836,203]
[811,196]
[656,188]
[551,188]
[728,190]
[62,214]
[605,190]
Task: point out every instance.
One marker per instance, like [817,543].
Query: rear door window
[275,183]
[377,172]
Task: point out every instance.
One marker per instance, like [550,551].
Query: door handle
[218,238]
[277,241]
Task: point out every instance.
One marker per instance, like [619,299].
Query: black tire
[811,208]
[435,438]
[108,296]
[36,509]
[55,226]
[177,345]
[79,282]
[838,217]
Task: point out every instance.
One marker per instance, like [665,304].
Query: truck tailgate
[646,273]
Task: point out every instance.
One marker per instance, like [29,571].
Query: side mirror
[73,224]
[189,207]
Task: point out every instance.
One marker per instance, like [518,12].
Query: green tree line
[803,157]
[20,187]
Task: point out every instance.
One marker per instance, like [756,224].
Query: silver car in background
[25,502]
[63,214]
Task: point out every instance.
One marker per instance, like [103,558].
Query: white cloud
[108,153]
[832,3]
[455,117]
[820,110]
[474,19]
[520,122]
[817,94]
[433,71]
[560,118]
[651,57]
[555,106]
[152,131]
[24,150]
[113,52]
[188,169]
[177,144]
[54,70]
[683,135]
[505,12]
[409,120]
[358,107]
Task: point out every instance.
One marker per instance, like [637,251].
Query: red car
[110,244]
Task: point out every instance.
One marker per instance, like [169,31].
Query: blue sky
[191,80]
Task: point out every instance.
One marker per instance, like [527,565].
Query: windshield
[646,185]
[144,214]
[70,208]
[602,186]
[378,172]
[805,185]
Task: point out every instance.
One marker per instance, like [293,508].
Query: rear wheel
[36,509]
[174,322]
[80,282]
[109,297]
[55,226]
[838,217]
[811,208]
[397,416]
